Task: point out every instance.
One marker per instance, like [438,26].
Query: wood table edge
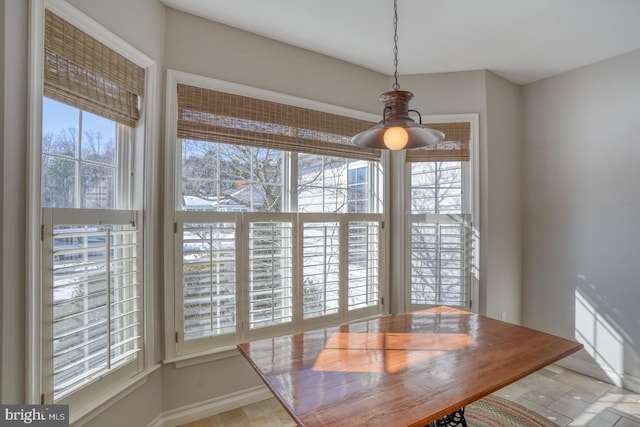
[275,394]
[520,375]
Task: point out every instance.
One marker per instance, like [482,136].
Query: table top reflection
[403,370]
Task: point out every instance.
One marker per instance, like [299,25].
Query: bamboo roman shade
[80,71]
[210,115]
[454,146]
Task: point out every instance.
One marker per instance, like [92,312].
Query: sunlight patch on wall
[600,339]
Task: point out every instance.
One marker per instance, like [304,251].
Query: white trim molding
[596,371]
[208,408]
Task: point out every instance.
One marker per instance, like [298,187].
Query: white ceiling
[521,40]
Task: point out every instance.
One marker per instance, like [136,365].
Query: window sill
[212,355]
[229,351]
[105,401]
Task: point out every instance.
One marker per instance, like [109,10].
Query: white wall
[140,407]
[445,93]
[209,49]
[13,140]
[501,212]
[2,84]
[139,22]
[581,209]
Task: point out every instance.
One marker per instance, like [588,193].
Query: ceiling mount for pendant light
[397,130]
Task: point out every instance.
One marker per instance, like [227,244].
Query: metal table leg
[454,419]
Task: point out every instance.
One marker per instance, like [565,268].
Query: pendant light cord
[396,86]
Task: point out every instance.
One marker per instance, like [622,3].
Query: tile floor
[567,398]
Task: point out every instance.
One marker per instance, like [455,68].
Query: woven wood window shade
[81,71]
[209,115]
[454,147]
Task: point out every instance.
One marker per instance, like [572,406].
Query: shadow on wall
[612,348]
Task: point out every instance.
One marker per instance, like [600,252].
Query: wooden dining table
[408,369]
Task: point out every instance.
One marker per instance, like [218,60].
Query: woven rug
[493,411]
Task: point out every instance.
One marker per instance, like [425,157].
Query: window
[91,242]
[357,182]
[278,222]
[436,187]
[79,158]
[229,178]
[95,259]
[440,222]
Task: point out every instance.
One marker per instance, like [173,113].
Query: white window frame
[144,186]
[175,351]
[470,207]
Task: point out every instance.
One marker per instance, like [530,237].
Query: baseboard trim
[208,408]
[596,371]
[631,383]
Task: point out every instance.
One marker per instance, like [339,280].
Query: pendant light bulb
[395,138]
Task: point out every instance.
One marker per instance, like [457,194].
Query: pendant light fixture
[397,130]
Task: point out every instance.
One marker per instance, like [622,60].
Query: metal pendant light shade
[396,115]
[397,130]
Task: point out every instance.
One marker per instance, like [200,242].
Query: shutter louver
[441,247]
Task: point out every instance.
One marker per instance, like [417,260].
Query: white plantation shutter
[364,242]
[270,272]
[250,275]
[93,294]
[207,268]
[340,263]
[320,269]
[209,271]
[441,248]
